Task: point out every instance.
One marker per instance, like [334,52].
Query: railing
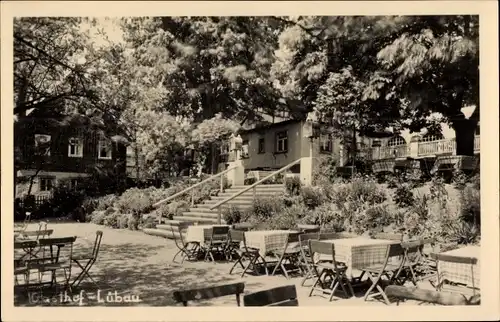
[436,147]
[253,186]
[220,174]
[399,151]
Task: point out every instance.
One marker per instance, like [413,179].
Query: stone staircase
[202,214]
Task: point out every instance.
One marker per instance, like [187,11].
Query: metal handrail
[194,186]
[255,184]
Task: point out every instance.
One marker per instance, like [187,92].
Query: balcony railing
[436,147]
[429,148]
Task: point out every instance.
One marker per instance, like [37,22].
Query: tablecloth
[268,240]
[462,273]
[358,252]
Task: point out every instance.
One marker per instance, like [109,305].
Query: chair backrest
[412,251]
[38,233]
[25,244]
[454,259]
[97,244]
[323,248]
[220,233]
[237,235]
[304,238]
[327,235]
[176,229]
[293,237]
[209,292]
[278,296]
[389,236]
[243,226]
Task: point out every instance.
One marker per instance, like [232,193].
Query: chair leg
[374,283]
[177,254]
[277,265]
[316,282]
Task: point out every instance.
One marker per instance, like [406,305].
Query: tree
[409,68]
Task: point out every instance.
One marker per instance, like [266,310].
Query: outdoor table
[357,252]
[268,240]
[199,233]
[462,273]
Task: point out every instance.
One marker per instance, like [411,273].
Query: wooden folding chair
[386,269]
[278,296]
[209,293]
[218,242]
[426,269]
[22,227]
[454,287]
[22,264]
[56,262]
[289,254]
[90,260]
[306,260]
[411,258]
[187,250]
[244,252]
[334,270]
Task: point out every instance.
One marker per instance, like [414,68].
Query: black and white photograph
[247,160]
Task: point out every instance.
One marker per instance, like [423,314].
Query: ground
[135,264]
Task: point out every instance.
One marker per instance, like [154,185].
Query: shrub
[232,214]
[148,221]
[133,223]
[135,201]
[470,201]
[283,220]
[105,202]
[327,216]
[123,221]
[265,207]
[98,217]
[403,196]
[293,185]
[312,196]
[249,181]
[325,171]
[459,179]
[111,220]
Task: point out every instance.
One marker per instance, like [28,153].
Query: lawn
[139,265]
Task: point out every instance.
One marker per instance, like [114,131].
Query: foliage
[264,207]
[293,185]
[312,196]
[325,172]
[470,200]
[214,129]
[98,217]
[232,214]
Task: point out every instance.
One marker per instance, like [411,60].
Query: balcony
[424,149]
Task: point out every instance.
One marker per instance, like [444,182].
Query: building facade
[52,152]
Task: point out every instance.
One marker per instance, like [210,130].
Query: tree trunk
[464,136]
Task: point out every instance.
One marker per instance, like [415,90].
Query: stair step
[202,208]
[199,220]
[259,186]
[200,214]
[159,233]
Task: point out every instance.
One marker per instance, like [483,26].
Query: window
[46,184]
[281,142]
[326,144]
[244,149]
[75,148]
[104,150]
[262,145]
[42,143]
[396,141]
